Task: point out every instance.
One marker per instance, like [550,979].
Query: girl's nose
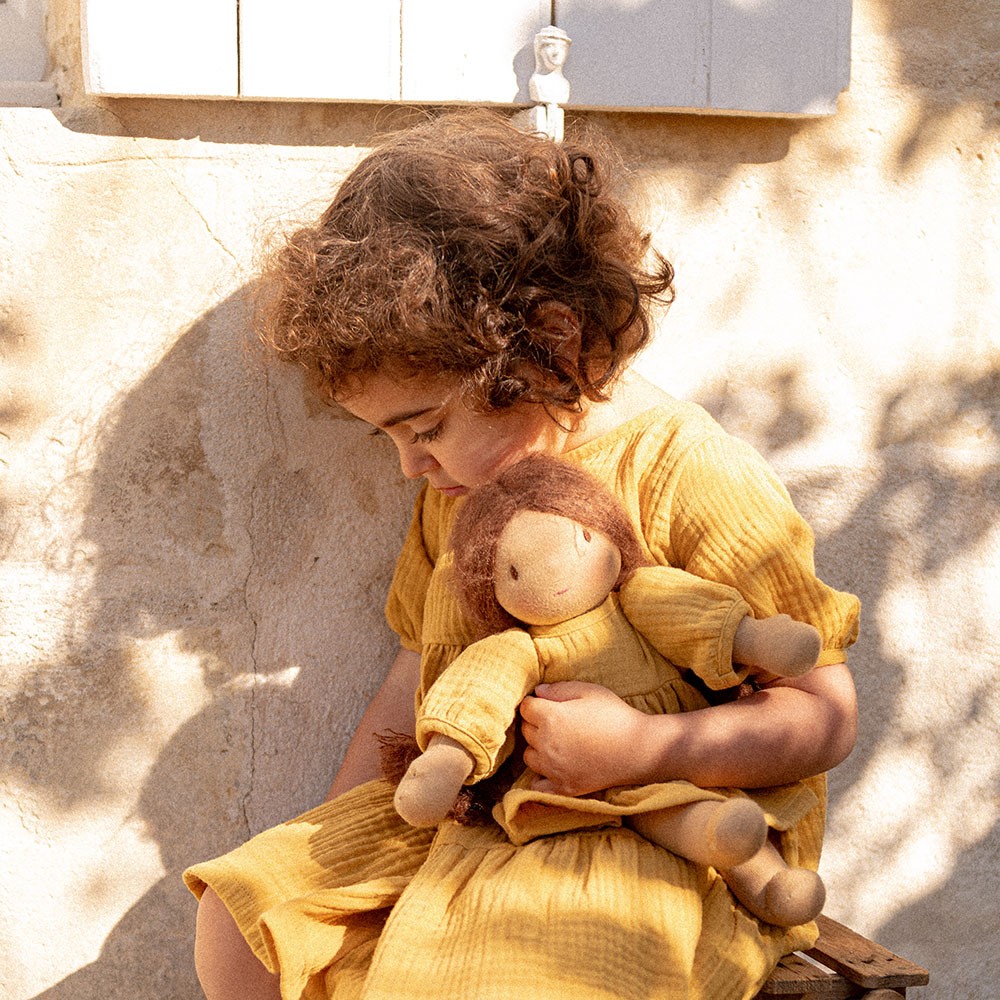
[415,461]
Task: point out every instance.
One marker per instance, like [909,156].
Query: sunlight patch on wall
[94,868]
[275,678]
[171,678]
[929,792]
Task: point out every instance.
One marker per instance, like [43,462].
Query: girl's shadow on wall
[240,539]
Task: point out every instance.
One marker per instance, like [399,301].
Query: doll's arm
[475,699]
[464,724]
[432,782]
[778,645]
[708,628]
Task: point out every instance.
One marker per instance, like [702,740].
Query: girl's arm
[583,738]
[391,708]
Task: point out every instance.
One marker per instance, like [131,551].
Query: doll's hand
[432,782]
[581,737]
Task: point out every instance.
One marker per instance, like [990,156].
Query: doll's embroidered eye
[587,535]
[513,572]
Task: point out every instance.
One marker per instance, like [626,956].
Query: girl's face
[441,439]
[550,568]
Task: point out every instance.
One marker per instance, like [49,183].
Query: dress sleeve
[689,620]
[404,610]
[475,699]
[724,515]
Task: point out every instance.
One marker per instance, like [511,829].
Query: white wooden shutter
[346,50]
[184,48]
[765,57]
[777,57]
[478,51]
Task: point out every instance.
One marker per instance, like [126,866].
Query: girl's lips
[452,491]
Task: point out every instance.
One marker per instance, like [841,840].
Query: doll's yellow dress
[475,699]
[347,901]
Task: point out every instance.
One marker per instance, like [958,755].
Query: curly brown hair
[538,483]
[459,247]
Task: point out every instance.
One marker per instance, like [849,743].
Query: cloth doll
[551,571]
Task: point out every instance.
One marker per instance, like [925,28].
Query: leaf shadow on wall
[228,640]
[917,520]
[946,59]
[17,407]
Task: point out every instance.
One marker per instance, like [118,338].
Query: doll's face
[550,568]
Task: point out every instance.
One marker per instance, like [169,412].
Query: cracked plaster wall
[195,555]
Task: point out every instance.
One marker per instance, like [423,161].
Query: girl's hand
[581,737]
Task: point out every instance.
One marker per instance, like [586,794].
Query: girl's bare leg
[227,967]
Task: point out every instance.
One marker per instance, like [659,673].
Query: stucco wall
[195,557]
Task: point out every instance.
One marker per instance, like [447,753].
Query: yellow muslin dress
[347,901]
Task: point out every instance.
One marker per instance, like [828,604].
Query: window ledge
[28,94]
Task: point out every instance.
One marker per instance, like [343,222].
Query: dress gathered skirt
[347,901]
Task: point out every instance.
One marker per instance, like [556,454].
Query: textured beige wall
[195,557]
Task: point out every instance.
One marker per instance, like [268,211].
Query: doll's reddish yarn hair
[537,483]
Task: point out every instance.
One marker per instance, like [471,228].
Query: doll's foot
[794,896]
[772,891]
[778,644]
[720,834]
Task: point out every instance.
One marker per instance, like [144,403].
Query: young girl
[476,294]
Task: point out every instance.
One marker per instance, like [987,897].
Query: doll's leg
[778,644]
[772,891]
[721,834]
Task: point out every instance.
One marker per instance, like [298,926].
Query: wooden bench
[844,965]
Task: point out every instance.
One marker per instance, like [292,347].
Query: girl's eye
[513,572]
[425,437]
[586,535]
